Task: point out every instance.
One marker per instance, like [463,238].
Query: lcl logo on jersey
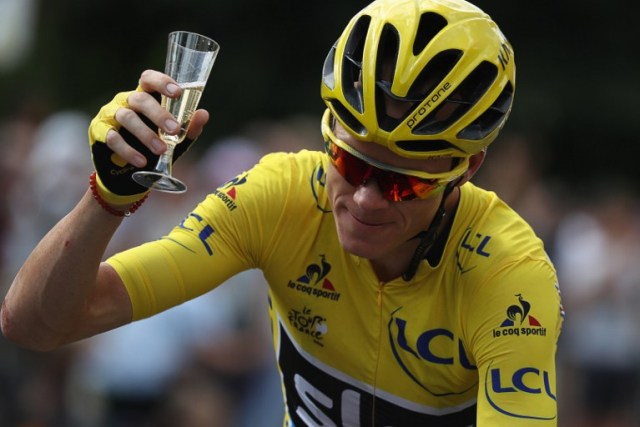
[501,383]
[519,322]
[408,347]
[318,181]
[196,224]
[473,243]
[315,282]
[227,191]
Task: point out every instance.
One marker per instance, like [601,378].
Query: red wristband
[96,195]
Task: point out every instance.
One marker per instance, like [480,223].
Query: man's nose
[368,195]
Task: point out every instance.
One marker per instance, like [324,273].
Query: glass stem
[165,162]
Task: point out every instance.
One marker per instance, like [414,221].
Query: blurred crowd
[209,362]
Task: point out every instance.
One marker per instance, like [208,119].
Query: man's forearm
[58,295]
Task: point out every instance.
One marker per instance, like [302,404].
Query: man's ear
[475,162]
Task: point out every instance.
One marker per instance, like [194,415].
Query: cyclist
[399,293]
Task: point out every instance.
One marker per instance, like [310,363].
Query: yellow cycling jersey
[468,342]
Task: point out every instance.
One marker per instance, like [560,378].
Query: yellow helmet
[445,62]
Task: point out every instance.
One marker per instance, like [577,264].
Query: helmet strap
[429,236]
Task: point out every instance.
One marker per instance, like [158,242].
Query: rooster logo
[519,313]
[314,281]
[316,272]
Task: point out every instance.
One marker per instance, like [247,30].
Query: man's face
[369,225]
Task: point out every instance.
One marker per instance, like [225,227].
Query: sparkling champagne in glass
[190,57]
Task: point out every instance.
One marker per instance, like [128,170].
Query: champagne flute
[190,57]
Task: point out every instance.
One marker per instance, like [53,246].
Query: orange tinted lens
[394,186]
[424,188]
[397,187]
[349,166]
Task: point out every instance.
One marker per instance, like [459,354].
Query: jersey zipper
[379,350]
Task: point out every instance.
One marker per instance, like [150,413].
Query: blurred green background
[577,67]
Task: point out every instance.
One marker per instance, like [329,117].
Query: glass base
[159,182]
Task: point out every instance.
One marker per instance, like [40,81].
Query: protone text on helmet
[426,107]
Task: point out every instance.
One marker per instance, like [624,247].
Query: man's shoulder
[484,208]
[292,180]
[488,228]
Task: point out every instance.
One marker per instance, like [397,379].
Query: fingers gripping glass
[396,184]
[190,58]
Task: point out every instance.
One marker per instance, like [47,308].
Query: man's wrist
[116,205]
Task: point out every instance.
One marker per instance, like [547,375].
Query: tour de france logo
[309,323]
[519,321]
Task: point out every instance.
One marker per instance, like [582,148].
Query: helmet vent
[430,25]
[347,118]
[477,83]
[386,59]
[328,77]
[352,63]
[430,77]
[461,100]
[490,119]
[433,74]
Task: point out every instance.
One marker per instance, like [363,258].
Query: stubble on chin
[355,243]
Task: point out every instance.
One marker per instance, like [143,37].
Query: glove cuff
[115,199]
